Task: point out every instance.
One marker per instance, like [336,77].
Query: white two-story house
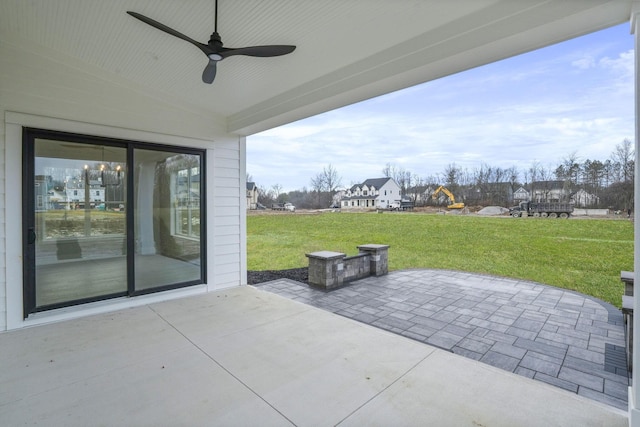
[252,195]
[376,193]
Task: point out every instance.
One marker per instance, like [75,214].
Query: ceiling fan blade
[209,72]
[203,47]
[260,51]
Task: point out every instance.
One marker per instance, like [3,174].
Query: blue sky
[573,97]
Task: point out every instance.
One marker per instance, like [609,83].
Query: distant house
[583,199]
[252,195]
[336,199]
[521,195]
[377,193]
[75,192]
[550,191]
[556,191]
[425,196]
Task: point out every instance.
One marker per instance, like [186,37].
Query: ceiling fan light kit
[214,49]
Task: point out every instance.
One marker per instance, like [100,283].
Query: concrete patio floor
[246,357]
[569,340]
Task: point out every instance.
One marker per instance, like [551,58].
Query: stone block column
[379,258]
[326,269]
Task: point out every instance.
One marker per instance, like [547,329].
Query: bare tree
[403,178]
[623,159]
[569,172]
[265,196]
[389,170]
[400,175]
[317,183]
[326,181]
[568,169]
[276,189]
[331,178]
[452,175]
[417,188]
[534,176]
[513,177]
[324,184]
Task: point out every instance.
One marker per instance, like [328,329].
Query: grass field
[585,255]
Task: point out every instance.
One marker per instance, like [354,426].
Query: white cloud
[584,63]
[623,64]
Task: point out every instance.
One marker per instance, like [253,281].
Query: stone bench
[330,270]
[627,312]
[627,278]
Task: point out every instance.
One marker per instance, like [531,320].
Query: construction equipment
[543,209]
[452,200]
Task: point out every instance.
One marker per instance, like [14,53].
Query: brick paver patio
[563,338]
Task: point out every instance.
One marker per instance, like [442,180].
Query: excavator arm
[452,199]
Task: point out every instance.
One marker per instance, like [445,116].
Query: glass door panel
[166,195]
[80,225]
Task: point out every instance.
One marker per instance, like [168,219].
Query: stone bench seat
[330,270]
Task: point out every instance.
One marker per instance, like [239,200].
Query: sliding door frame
[29,136]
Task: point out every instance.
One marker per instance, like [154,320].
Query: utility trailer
[542,209]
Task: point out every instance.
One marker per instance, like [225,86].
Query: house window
[147,234]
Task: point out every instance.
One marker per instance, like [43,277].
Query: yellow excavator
[452,200]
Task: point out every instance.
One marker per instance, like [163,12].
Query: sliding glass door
[108,218]
[167,218]
[79,234]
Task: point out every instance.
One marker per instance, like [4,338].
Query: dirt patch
[297,274]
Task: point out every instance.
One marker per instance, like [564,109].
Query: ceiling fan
[214,48]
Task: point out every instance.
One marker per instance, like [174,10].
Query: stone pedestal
[326,269]
[379,255]
[627,311]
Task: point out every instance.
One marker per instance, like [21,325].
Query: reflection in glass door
[79,222]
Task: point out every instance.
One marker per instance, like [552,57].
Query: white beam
[634,392]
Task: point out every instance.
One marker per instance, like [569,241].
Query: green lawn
[585,255]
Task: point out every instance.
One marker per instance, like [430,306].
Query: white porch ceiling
[347,50]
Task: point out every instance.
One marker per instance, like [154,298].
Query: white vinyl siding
[42,91]
[229,192]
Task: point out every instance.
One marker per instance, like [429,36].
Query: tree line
[610,181]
